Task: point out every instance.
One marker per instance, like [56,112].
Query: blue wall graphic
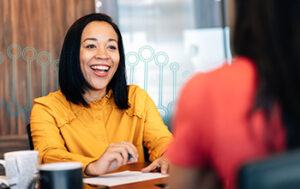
[146,67]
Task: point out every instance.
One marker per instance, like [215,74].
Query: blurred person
[96,118]
[244,111]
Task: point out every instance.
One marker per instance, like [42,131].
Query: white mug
[20,168]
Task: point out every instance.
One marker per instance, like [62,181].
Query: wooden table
[150,184]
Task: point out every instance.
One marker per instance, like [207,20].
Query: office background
[166,41]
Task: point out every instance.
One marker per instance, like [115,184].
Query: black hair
[71,80]
[268,32]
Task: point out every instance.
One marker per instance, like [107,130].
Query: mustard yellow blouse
[63,131]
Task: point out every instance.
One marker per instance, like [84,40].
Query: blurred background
[166,41]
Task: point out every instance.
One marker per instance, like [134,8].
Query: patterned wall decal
[165,76]
[157,69]
[19,108]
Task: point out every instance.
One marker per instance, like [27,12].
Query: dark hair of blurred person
[268,32]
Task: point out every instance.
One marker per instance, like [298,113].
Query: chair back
[277,172]
[30,143]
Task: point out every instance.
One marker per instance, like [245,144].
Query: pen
[129,156]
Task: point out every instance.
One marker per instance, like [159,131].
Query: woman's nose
[101,53]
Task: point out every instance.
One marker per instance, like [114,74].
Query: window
[166,41]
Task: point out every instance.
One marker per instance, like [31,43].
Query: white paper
[124,177]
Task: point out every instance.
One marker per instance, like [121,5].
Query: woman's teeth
[100,68]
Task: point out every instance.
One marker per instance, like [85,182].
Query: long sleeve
[63,131]
[48,140]
[156,134]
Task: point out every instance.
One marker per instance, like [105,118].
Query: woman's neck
[93,95]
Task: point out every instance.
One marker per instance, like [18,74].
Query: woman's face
[99,55]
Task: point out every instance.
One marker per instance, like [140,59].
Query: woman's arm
[157,137]
[48,141]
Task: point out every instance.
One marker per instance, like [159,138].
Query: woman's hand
[161,163]
[116,155]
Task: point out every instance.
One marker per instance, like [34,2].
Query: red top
[214,127]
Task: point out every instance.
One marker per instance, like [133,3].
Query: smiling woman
[99,57]
[96,118]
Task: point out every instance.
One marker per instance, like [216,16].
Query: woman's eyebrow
[95,39]
[112,40]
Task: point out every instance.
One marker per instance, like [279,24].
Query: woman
[95,118]
[247,110]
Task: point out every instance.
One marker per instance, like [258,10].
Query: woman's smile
[101,70]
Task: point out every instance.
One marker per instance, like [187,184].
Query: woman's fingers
[132,148]
[116,160]
[154,165]
[109,161]
[164,167]
[121,150]
[129,147]
[116,155]
[160,163]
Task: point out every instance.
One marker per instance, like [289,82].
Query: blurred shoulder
[239,67]
[240,72]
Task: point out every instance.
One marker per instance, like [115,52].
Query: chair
[278,172]
[30,143]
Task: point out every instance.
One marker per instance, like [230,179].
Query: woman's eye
[112,47]
[90,46]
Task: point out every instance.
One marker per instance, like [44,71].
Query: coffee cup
[20,168]
[63,175]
